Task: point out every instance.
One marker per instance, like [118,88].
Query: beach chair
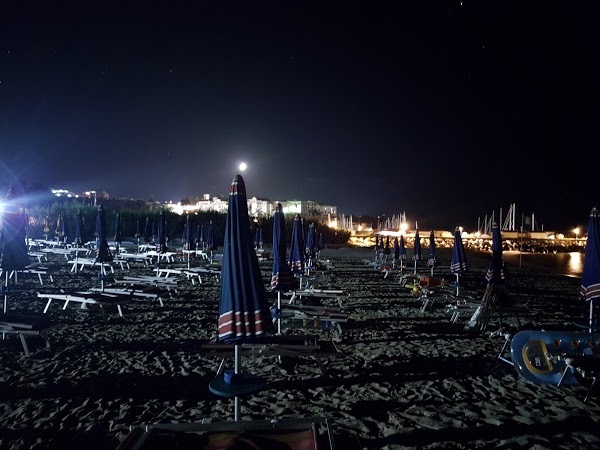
[314,433]
[28,325]
[85,298]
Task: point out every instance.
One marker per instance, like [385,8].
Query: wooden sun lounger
[278,345]
[148,292]
[27,325]
[295,297]
[309,433]
[160,282]
[39,271]
[88,298]
[315,317]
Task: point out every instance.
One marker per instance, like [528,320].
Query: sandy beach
[403,379]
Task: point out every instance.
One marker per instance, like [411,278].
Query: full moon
[243,166]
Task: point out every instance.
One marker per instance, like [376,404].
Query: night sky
[445,110]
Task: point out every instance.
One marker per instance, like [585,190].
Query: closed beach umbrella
[210,237]
[103,253]
[188,238]
[118,232]
[296,260]
[153,238]
[260,238]
[320,245]
[590,281]
[402,252]
[310,242]
[46,227]
[459,264]
[147,235]
[138,233]
[431,262]
[396,254]
[244,314]
[13,248]
[417,255]
[200,237]
[79,239]
[161,240]
[256,233]
[496,294]
[210,240]
[282,278]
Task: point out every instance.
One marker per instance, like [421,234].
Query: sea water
[569,264]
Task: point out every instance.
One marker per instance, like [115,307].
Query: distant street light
[576,231]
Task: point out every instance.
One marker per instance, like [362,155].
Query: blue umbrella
[118,233]
[147,235]
[417,250]
[431,262]
[495,273]
[320,245]
[61,228]
[103,253]
[46,227]
[200,237]
[210,240]
[296,260]
[402,252]
[396,256]
[256,238]
[309,247]
[260,238]
[153,238]
[590,281]
[244,314]
[79,239]
[459,264]
[13,248]
[138,232]
[188,240]
[161,240]
[495,294]
[282,279]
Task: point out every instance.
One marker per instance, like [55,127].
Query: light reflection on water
[570,264]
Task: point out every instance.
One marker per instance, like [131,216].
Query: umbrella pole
[415,271]
[457,284]
[6,292]
[591,315]
[76,255]
[278,312]
[237,369]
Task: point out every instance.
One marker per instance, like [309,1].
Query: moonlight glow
[243,166]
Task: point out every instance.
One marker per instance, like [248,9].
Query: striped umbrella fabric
[244,314]
[161,241]
[495,273]
[459,263]
[590,281]
[296,260]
